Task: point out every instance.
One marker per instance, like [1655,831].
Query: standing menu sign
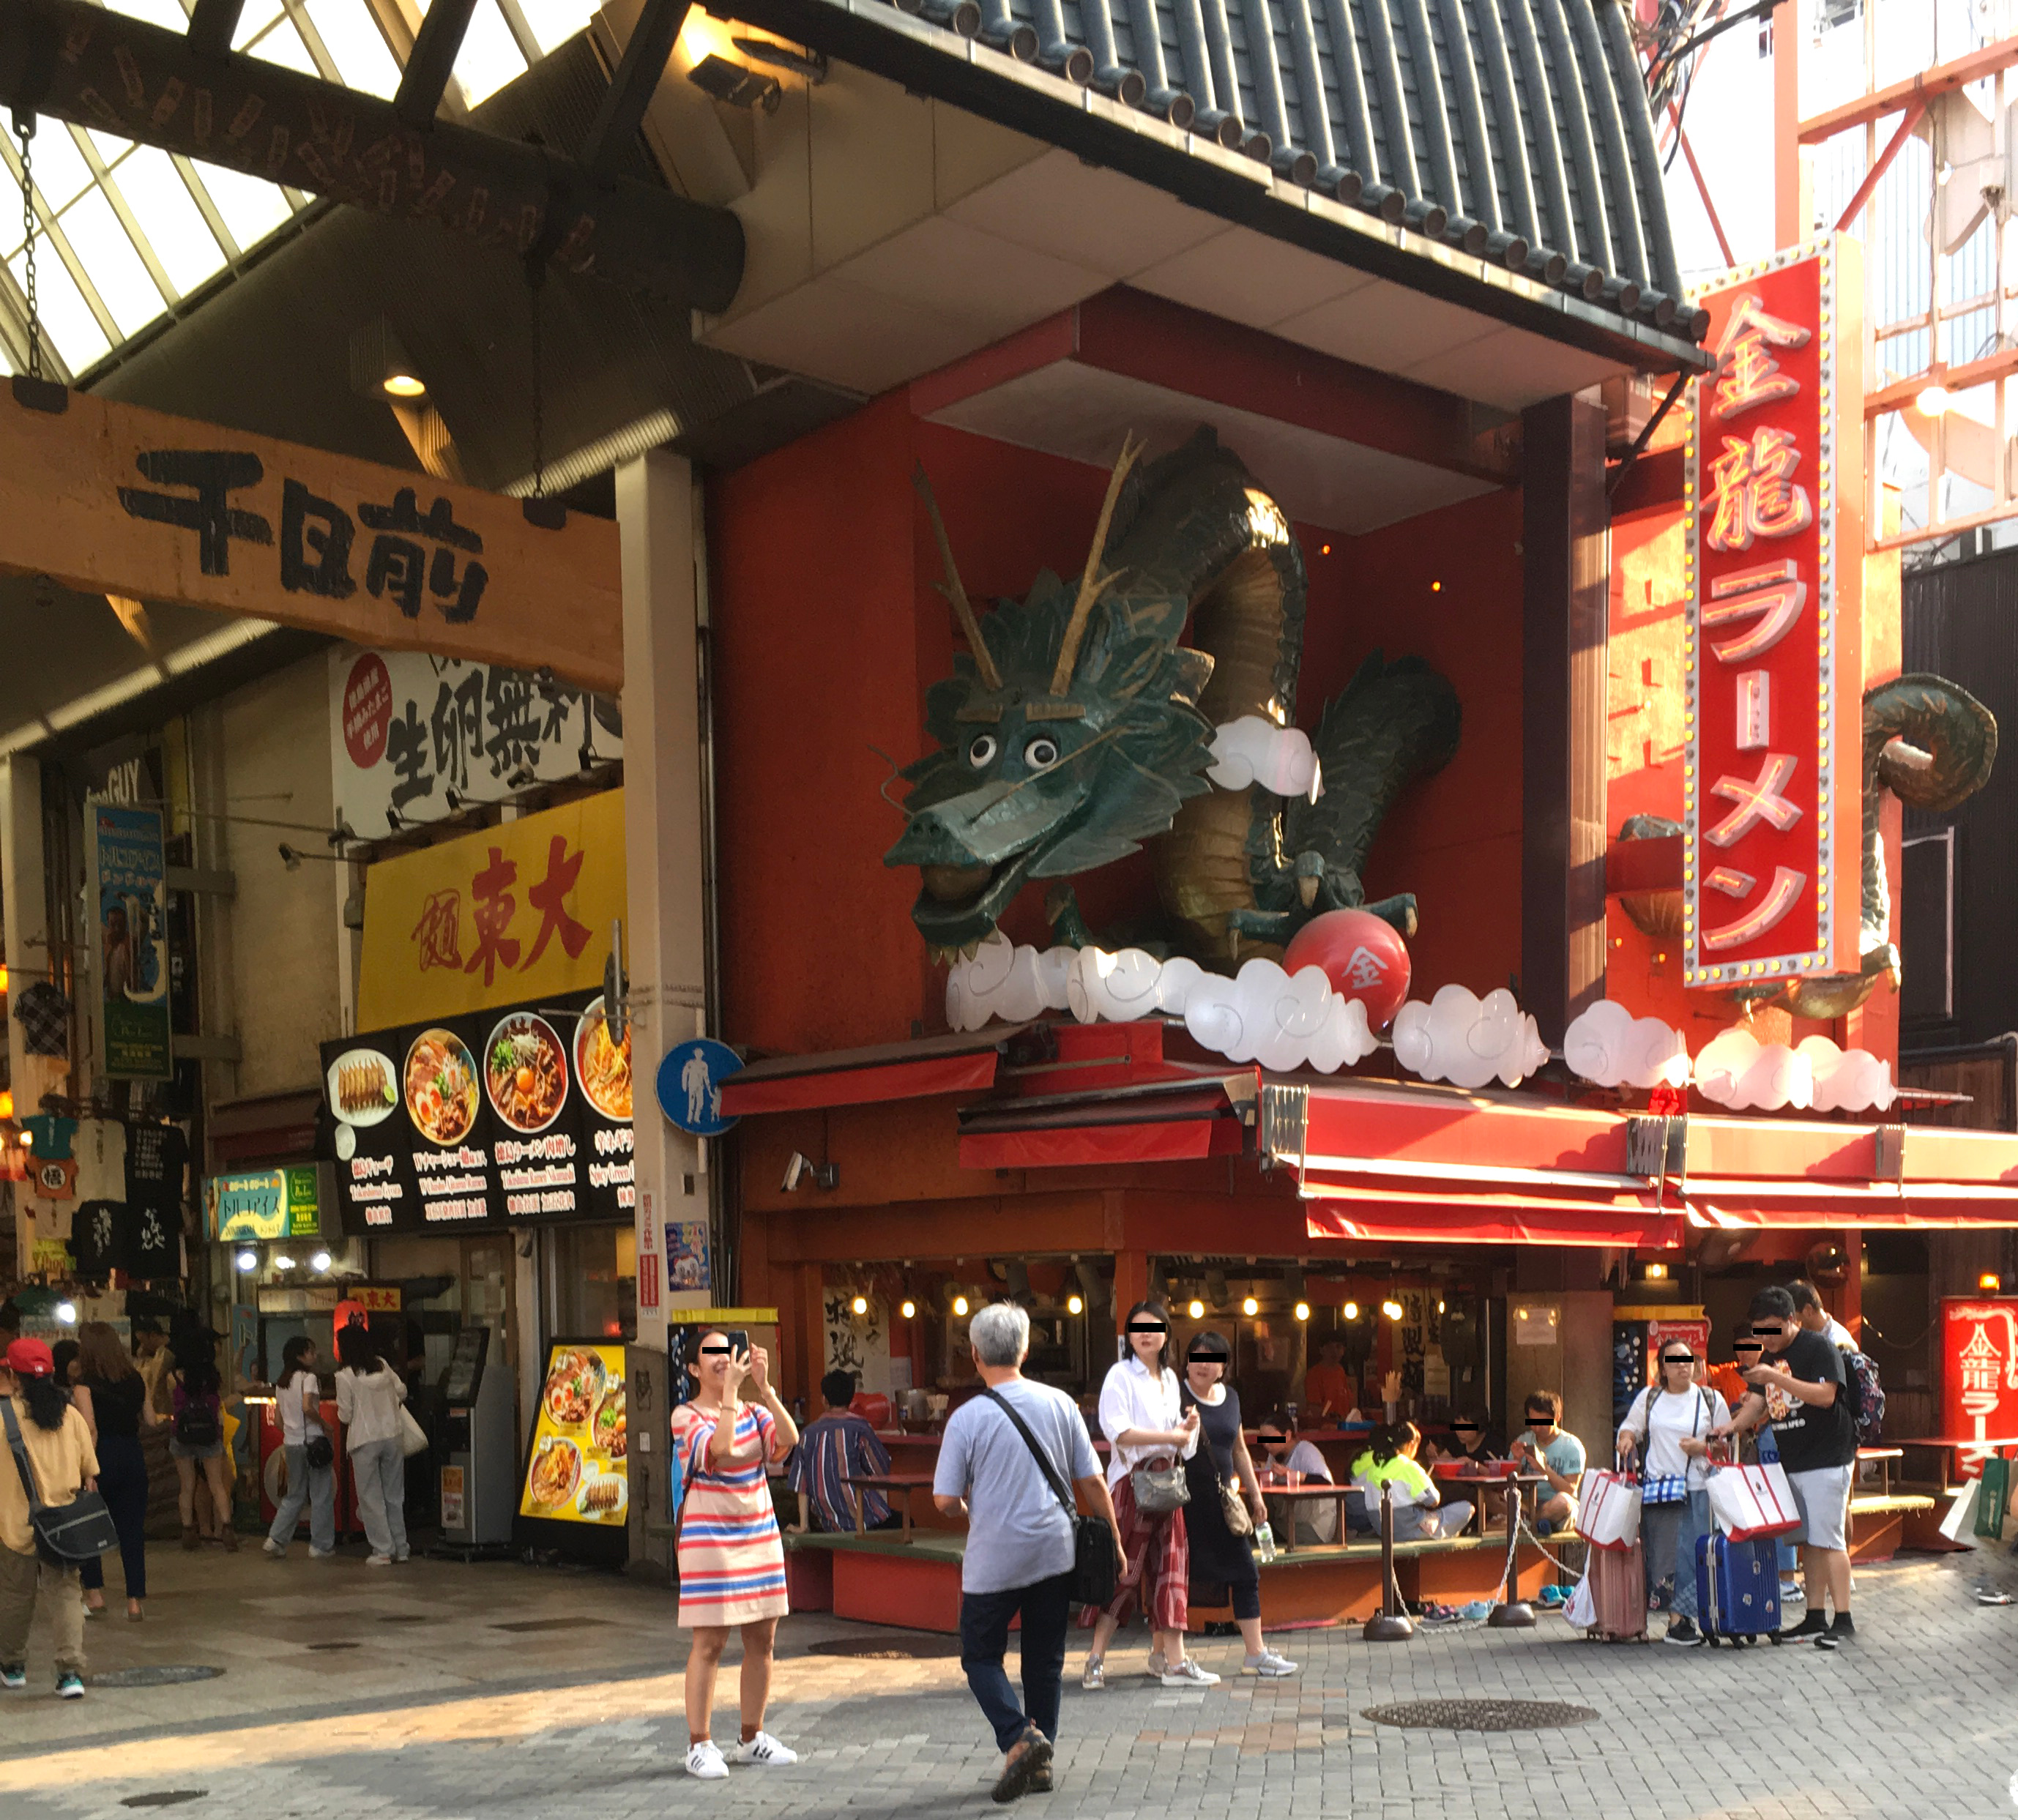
[127,877]
[1773,668]
[495,1117]
[1979,1372]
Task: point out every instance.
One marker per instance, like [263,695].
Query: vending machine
[479,1475]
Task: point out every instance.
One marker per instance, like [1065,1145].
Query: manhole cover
[165,1798]
[159,1675]
[1479,1715]
[878,1649]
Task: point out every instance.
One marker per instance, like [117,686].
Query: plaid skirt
[1159,1567]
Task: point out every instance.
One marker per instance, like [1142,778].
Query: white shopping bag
[1749,1501]
[1609,1511]
[1959,1524]
[1581,1607]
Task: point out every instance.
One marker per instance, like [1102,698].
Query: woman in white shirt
[369,1393]
[1141,1417]
[1669,1424]
[298,1402]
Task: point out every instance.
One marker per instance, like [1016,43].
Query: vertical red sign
[1980,1372]
[1772,776]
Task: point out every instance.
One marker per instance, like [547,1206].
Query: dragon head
[1069,735]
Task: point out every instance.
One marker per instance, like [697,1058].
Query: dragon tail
[1393,724]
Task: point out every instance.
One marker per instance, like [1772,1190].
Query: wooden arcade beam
[425,79]
[107,498]
[76,61]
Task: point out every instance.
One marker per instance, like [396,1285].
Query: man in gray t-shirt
[1019,1540]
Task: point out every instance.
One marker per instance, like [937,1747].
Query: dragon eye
[980,750]
[1041,754]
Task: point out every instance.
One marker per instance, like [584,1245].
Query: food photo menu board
[496,1117]
[576,1472]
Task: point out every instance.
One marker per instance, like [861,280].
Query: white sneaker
[767,1750]
[377,1561]
[1270,1666]
[270,1546]
[705,1760]
[1187,1674]
[315,1554]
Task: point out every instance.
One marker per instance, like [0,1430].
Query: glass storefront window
[593,1283]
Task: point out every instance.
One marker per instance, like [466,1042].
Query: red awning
[960,1063]
[1171,1122]
[1754,1207]
[1338,1210]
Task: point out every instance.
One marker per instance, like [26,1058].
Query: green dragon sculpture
[1079,725]
[1932,745]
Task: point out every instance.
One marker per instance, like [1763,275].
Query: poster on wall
[408,728]
[127,878]
[575,1469]
[1978,1374]
[495,1117]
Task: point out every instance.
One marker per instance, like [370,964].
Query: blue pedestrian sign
[690,1082]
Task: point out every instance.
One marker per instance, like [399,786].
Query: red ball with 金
[1363,957]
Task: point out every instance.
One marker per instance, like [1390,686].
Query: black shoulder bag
[1093,1570]
[68,1535]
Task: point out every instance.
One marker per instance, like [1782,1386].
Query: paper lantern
[1363,957]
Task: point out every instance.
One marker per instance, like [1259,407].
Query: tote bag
[1608,1516]
[1746,1502]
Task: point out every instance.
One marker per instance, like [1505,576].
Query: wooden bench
[1877,1523]
[1340,1582]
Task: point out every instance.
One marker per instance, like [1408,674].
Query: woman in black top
[113,1397]
[1217,1554]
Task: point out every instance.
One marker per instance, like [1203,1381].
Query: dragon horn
[1093,584]
[983,659]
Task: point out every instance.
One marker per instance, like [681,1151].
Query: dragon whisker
[984,659]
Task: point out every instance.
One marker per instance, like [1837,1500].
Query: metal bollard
[1512,1613]
[1390,1624]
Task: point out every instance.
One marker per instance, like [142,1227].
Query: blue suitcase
[1737,1589]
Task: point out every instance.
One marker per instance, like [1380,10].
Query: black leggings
[122,1481]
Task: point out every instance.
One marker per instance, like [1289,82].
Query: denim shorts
[181,1450]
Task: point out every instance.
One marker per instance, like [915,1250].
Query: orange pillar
[1789,227]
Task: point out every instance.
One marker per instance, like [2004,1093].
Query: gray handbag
[1159,1486]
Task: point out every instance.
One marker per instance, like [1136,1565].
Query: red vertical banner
[1980,1372]
[1773,669]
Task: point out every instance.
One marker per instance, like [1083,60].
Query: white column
[26,898]
[657,508]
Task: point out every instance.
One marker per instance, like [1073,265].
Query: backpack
[1867,1396]
[197,1425]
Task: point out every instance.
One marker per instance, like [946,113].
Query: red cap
[31,1359]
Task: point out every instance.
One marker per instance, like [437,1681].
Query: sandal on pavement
[1033,1752]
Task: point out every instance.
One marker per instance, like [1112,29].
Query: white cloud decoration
[1264,1016]
[1005,981]
[1608,1045]
[1848,1080]
[1735,1069]
[1280,1019]
[1251,750]
[1468,1040]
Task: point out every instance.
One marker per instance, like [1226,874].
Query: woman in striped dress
[732,1559]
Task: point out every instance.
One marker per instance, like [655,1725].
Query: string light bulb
[1350,1311]
[1302,1311]
[1195,1309]
[960,1305]
[1250,1306]
[1074,1305]
[908,1308]
[859,1306]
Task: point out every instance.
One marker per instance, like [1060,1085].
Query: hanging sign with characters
[412,731]
[107,498]
[1772,789]
[128,885]
[1979,1373]
[508,913]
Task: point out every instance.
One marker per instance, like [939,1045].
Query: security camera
[802,1168]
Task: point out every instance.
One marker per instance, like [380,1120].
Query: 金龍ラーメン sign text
[109,498]
[1772,671]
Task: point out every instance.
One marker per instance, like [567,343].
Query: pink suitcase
[1618,1594]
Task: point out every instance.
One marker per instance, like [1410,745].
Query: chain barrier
[24,131]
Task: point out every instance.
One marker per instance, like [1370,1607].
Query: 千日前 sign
[109,498]
[1772,667]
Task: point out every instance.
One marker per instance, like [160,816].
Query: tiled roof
[1517,129]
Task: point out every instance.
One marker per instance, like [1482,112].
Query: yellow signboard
[110,498]
[506,915]
[576,1473]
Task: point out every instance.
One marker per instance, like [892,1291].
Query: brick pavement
[1917,1720]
